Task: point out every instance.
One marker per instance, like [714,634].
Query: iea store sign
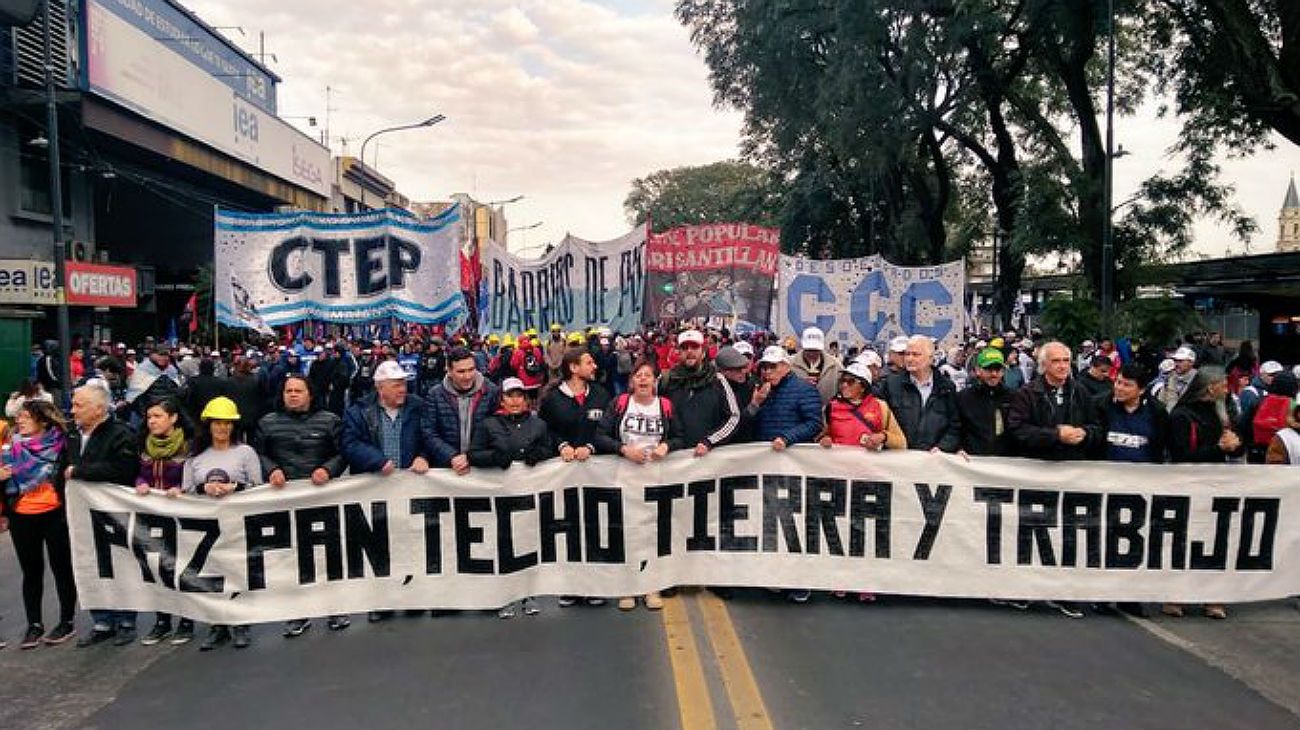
[96,285]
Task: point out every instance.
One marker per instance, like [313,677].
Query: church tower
[1288,221]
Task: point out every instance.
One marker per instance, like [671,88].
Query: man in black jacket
[301,442]
[705,400]
[983,407]
[924,401]
[101,449]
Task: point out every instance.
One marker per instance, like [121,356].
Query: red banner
[97,285]
[714,270]
[715,245]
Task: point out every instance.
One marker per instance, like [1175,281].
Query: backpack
[665,405]
[532,363]
[502,369]
[1269,419]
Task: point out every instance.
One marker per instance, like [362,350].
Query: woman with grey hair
[1200,433]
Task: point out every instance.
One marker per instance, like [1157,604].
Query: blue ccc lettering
[806,288]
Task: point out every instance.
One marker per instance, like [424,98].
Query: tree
[722,191]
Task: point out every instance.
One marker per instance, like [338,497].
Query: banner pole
[212,295]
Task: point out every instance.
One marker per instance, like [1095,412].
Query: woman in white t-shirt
[641,427]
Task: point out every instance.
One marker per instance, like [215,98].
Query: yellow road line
[688,674]
[742,689]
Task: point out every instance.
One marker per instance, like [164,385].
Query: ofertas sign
[100,286]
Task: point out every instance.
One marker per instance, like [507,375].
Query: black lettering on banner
[515,316]
[330,251]
[700,538]
[827,499]
[528,290]
[933,505]
[191,581]
[567,305]
[613,551]
[1169,515]
[507,561]
[1037,518]
[155,534]
[108,529]
[662,496]
[432,508]
[467,536]
[593,295]
[1255,508]
[545,294]
[318,527]
[869,500]
[497,316]
[403,256]
[1224,508]
[366,265]
[263,532]
[569,525]
[367,540]
[782,500]
[1081,512]
[729,513]
[993,498]
[279,265]
[1128,532]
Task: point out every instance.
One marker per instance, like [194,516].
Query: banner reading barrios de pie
[579,284]
[909,522]
[720,271]
[276,269]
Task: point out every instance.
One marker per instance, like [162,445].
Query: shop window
[34,176]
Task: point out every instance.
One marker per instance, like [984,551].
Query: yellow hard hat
[508,341]
[531,332]
[575,338]
[220,408]
[494,340]
[556,327]
[997,342]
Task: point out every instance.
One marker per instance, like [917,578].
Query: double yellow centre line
[725,650]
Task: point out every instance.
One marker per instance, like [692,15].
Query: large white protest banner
[281,268]
[838,519]
[579,284]
[871,300]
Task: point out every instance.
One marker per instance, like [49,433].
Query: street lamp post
[1108,223]
[417,125]
[528,227]
[56,211]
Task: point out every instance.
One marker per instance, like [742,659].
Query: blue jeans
[113,619]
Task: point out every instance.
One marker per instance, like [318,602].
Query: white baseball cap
[869,358]
[389,370]
[898,344]
[813,339]
[1272,367]
[773,354]
[510,384]
[1184,353]
[691,336]
[744,348]
[858,369]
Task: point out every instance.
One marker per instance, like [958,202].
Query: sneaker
[1067,608]
[626,603]
[295,627]
[337,623]
[375,617]
[125,635]
[159,632]
[217,635]
[566,601]
[32,638]
[595,601]
[800,596]
[506,611]
[184,633]
[242,639]
[530,607]
[100,633]
[61,633]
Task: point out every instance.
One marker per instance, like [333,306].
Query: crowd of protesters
[192,420]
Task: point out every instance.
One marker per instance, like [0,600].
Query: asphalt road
[754,662]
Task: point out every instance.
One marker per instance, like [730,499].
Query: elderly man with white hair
[924,400]
[101,449]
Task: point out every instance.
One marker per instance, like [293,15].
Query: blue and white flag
[280,268]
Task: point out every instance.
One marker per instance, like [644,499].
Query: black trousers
[34,536]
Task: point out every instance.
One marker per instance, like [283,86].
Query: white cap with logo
[1272,367]
[744,348]
[510,384]
[389,370]
[774,354]
[898,344]
[1184,353]
[813,339]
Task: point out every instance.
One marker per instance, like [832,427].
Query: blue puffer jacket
[362,445]
[442,417]
[792,411]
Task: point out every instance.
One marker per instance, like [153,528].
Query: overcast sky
[563,102]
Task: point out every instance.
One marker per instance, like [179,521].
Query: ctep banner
[281,268]
[871,300]
[905,522]
[98,285]
[579,284]
[714,271]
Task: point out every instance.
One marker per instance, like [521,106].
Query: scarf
[165,447]
[33,460]
[681,376]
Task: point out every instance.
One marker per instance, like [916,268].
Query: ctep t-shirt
[643,425]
